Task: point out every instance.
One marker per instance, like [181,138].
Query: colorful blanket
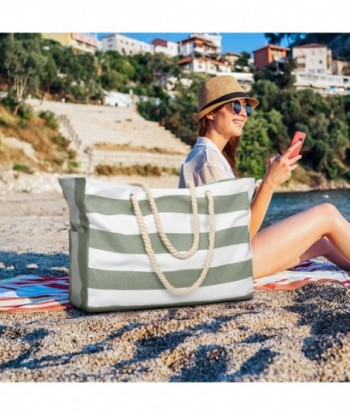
[30,293]
[303,274]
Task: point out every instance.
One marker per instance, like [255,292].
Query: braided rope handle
[151,254]
[159,226]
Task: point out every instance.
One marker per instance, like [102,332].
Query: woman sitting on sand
[223,111]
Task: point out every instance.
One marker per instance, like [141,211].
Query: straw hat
[218,91]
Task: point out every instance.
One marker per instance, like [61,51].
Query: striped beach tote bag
[132,247]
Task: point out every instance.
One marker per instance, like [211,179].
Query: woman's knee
[327,213]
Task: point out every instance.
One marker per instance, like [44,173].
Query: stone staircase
[88,125]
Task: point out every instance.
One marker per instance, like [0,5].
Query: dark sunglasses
[237,108]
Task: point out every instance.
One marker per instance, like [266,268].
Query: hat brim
[252,101]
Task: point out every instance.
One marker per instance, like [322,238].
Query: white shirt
[204,164]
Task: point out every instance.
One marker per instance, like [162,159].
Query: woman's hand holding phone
[280,167]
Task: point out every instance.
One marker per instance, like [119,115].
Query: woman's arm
[278,171]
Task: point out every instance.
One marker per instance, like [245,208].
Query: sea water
[287,204]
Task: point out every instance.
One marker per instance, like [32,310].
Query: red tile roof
[196,38]
[160,42]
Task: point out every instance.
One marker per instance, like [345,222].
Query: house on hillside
[268,54]
[215,38]
[197,46]
[231,57]
[205,65]
[80,42]
[315,69]
[125,45]
[165,46]
[313,59]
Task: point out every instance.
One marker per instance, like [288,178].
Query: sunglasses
[237,108]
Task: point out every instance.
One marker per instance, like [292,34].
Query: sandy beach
[290,336]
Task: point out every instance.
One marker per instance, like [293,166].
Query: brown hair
[230,150]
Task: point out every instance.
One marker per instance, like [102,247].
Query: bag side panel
[78,268]
[74,192]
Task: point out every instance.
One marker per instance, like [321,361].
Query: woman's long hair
[230,150]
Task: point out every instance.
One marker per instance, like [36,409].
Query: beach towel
[28,293]
[33,293]
[303,274]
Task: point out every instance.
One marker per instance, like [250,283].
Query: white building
[313,59]
[323,84]
[166,47]
[315,69]
[125,45]
[198,46]
[215,38]
[205,65]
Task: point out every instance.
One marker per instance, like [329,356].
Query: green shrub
[22,167]
[25,112]
[61,142]
[73,166]
[72,154]
[50,119]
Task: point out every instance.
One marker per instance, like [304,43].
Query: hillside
[32,142]
[75,138]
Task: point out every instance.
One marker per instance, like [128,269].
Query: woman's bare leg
[323,247]
[292,240]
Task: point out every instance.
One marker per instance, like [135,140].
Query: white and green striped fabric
[109,267]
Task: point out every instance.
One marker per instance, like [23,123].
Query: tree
[276,38]
[23,64]
[266,92]
[242,62]
[255,147]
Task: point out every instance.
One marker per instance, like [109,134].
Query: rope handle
[159,226]
[151,254]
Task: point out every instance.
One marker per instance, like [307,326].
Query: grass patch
[50,119]
[22,168]
[135,170]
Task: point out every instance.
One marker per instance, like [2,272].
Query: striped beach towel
[303,274]
[28,293]
[33,293]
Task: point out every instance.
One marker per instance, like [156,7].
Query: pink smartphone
[298,136]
